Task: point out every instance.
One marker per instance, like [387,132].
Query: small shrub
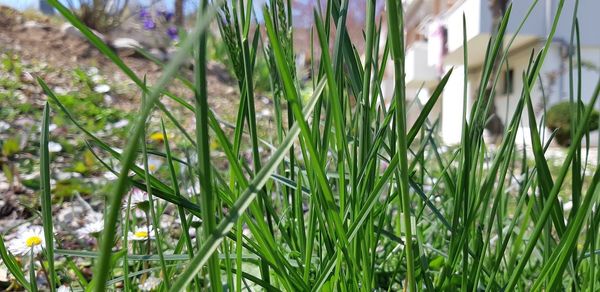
[559,118]
[100,15]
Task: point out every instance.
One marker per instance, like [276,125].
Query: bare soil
[41,40]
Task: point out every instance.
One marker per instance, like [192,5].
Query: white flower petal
[141,234]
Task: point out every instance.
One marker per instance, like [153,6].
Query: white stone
[120,124]
[125,43]
[4,126]
[69,29]
[102,88]
[54,147]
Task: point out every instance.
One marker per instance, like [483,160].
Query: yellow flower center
[152,167]
[33,241]
[141,234]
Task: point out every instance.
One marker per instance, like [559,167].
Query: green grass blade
[396,26]
[11,264]
[46,196]
[242,203]
[207,198]
[582,127]
[562,254]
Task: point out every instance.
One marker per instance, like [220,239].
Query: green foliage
[349,197]
[559,118]
[12,64]
[11,146]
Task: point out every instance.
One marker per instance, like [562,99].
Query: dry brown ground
[41,40]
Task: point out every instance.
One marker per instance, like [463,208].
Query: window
[508,78]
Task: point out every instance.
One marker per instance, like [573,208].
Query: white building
[439,47]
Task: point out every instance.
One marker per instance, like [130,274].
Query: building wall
[554,73]
[553,87]
[452,106]
[538,24]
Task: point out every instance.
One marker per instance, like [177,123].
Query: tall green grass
[351,197]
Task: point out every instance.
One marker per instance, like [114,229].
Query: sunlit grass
[349,197]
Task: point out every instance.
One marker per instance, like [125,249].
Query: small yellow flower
[214,144]
[157,137]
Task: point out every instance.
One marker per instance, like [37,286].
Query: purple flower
[167,15]
[172,32]
[144,14]
[149,24]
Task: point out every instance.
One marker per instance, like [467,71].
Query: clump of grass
[351,197]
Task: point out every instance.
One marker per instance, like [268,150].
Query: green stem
[396,26]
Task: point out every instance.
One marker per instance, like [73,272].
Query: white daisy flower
[153,164]
[32,240]
[63,288]
[138,196]
[150,284]
[141,233]
[139,201]
[93,227]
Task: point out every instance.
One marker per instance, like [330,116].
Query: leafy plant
[559,119]
[101,15]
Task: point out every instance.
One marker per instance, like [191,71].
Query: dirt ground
[41,39]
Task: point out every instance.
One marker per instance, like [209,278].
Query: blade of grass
[32,275]
[153,216]
[553,269]
[46,196]
[13,267]
[396,27]
[207,199]
[515,275]
[242,203]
